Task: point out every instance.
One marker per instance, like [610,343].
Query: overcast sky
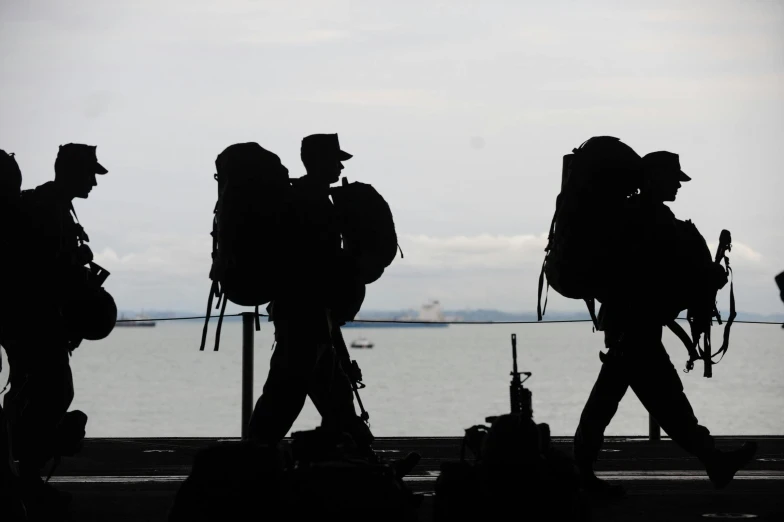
[458,112]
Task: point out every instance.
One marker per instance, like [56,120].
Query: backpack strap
[725,245]
[591,304]
[540,311]
[220,320]
[726,338]
[681,334]
[213,293]
[81,235]
[215,287]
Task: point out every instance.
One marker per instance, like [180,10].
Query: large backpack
[584,249]
[250,229]
[367,227]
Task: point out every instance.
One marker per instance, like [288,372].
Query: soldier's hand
[355,374]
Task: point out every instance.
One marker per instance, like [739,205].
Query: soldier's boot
[722,466]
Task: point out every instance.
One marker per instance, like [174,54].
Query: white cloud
[489,271]
[472,252]
[742,255]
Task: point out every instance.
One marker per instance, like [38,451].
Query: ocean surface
[153,382]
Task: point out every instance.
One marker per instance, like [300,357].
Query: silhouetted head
[10,177]
[780,283]
[662,176]
[322,157]
[75,169]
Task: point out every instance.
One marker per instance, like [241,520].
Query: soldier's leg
[44,391]
[657,384]
[606,395]
[286,388]
[333,396]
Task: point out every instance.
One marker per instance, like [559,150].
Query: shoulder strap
[687,342]
[591,304]
[726,339]
[540,311]
[80,233]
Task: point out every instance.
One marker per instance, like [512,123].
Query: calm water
[426,382]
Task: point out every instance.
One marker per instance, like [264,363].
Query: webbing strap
[681,334]
[220,322]
[213,291]
[726,341]
[591,304]
[539,310]
[706,353]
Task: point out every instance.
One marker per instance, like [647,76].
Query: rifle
[519,396]
[701,324]
[350,367]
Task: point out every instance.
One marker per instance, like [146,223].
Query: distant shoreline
[463,315]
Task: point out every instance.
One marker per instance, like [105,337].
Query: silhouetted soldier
[780,283]
[39,350]
[304,362]
[11,506]
[633,331]
[10,188]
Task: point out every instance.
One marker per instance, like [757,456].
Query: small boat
[361,343]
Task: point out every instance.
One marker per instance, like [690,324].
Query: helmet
[94,315]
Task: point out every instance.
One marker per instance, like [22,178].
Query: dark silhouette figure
[319,287]
[780,283]
[632,321]
[11,504]
[61,284]
[515,470]
[310,479]
[230,481]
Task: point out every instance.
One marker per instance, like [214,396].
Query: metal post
[248,328]
[654,432]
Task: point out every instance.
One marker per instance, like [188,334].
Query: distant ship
[430,316]
[139,320]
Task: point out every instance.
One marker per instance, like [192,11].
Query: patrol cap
[665,161]
[323,146]
[80,156]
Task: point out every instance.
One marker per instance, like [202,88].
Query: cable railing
[248,337]
[401,321]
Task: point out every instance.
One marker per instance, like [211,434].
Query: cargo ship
[430,316]
[139,321]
